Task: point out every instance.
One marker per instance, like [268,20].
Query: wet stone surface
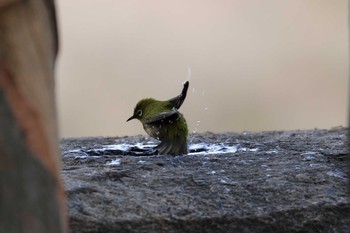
[288,181]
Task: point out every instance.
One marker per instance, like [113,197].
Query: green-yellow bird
[162,120]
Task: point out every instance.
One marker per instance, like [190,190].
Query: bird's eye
[139,112]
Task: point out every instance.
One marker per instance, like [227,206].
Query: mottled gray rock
[288,181]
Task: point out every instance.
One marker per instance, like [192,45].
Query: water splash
[189,73]
[115,162]
[337,174]
[204,148]
[148,149]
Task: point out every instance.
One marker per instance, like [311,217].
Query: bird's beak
[132,117]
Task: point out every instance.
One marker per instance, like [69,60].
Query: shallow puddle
[140,149]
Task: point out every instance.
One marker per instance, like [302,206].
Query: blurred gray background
[252,65]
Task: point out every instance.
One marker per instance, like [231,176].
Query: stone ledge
[287,181]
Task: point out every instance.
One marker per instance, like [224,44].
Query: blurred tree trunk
[349,100]
[31,194]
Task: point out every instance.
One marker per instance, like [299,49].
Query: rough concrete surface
[288,181]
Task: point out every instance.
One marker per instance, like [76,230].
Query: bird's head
[143,108]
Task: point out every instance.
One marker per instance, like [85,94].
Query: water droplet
[189,72]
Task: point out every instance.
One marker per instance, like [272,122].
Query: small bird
[162,121]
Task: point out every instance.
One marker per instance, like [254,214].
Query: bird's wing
[177,146]
[177,101]
[163,117]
